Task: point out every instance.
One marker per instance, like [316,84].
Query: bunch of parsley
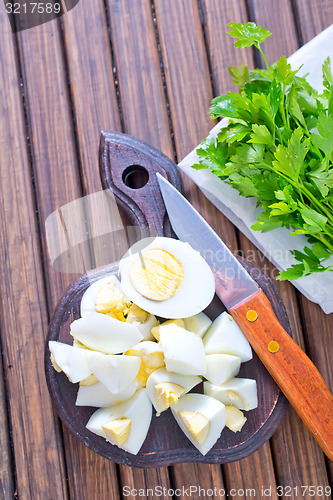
[278,148]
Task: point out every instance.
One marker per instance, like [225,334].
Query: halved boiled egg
[98,395]
[115,372]
[166,277]
[70,360]
[184,351]
[201,419]
[239,392]
[125,425]
[225,337]
[165,388]
[151,356]
[104,333]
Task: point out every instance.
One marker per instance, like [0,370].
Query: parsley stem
[265,60]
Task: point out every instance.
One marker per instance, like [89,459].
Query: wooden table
[150,69]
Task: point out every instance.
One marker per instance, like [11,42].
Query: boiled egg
[104,333]
[234,418]
[239,392]
[199,323]
[184,351]
[125,425]
[71,361]
[156,330]
[151,356]
[143,320]
[105,296]
[165,388]
[221,367]
[225,337]
[166,277]
[115,372]
[201,419]
[98,395]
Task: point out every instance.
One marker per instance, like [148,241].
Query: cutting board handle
[128,168]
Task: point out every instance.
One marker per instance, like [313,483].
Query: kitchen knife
[290,367]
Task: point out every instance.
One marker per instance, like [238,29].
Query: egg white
[207,406]
[194,293]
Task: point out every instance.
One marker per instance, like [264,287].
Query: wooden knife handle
[289,366]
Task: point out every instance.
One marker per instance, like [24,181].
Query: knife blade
[189,226]
[290,367]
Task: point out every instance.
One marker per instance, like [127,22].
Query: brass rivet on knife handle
[251,315]
[273,347]
[292,370]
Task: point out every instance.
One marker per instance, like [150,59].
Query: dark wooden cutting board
[128,168]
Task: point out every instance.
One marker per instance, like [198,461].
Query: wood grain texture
[37,446]
[313,17]
[220,46]
[297,457]
[140,80]
[6,469]
[290,367]
[189,98]
[207,477]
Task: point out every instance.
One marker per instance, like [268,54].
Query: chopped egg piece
[201,419]
[105,296]
[111,300]
[71,361]
[136,314]
[196,424]
[156,330]
[54,364]
[164,388]
[234,418]
[118,430]
[166,277]
[225,337]
[184,351]
[105,334]
[167,393]
[137,409]
[151,355]
[98,395]
[115,372]
[156,274]
[91,380]
[239,392]
[143,320]
[199,324]
[221,367]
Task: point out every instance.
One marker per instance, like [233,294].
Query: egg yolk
[149,363]
[118,430]
[91,380]
[196,424]
[136,315]
[111,301]
[156,330]
[156,275]
[234,418]
[167,393]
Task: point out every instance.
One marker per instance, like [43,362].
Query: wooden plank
[221,51]
[189,99]
[196,476]
[281,29]
[313,17]
[6,469]
[35,431]
[145,117]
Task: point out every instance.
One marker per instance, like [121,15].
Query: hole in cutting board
[135,176]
